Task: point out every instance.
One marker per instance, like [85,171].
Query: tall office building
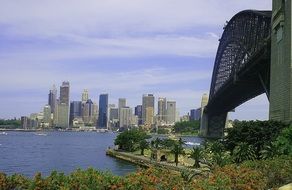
[63,106]
[88,112]
[103,111]
[161,114]
[138,113]
[53,98]
[64,93]
[47,115]
[113,117]
[126,114]
[85,95]
[171,112]
[195,114]
[148,110]
[122,104]
[75,111]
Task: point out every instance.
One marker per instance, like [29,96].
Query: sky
[122,47]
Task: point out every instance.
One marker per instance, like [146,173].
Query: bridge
[253,57]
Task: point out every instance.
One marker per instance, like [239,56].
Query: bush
[283,142]
[278,171]
[255,133]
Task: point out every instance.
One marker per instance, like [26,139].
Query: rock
[286,187]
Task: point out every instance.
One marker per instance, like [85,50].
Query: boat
[41,134]
[3,133]
[193,144]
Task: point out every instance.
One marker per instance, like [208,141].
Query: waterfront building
[63,106]
[52,100]
[25,122]
[171,112]
[161,114]
[138,113]
[126,114]
[88,112]
[63,119]
[113,118]
[47,118]
[103,111]
[122,104]
[148,110]
[75,111]
[95,113]
[65,93]
[195,114]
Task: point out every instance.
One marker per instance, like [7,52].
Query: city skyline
[170,57]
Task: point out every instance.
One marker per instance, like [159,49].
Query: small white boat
[3,133]
[193,144]
[41,134]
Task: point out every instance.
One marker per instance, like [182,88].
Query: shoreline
[146,162]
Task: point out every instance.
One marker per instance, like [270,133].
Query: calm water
[27,152]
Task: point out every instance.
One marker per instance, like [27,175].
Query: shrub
[277,170]
[254,133]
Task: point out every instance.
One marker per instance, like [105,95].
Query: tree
[187,127]
[283,143]
[130,140]
[143,145]
[255,133]
[197,154]
[177,149]
[243,152]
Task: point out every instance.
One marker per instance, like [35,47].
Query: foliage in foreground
[263,174]
[253,136]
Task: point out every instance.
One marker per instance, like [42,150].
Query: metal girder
[245,35]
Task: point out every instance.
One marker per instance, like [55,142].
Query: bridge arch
[241,69]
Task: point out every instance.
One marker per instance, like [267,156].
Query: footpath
[147,162]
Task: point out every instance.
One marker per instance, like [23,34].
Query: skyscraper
[161,114]
[75,110]
[63,106]
[53,98]
[64,93]
[138,113]
[88,112]
[148,110]
[103,111]
[85,95]
[171,112]
[47,115]
[126,114]
[122,104]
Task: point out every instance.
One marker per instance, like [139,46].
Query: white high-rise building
[126,114]
[161,114]
[171,112]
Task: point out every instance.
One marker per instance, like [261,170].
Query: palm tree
[143,145]
[243,152]
[197,155]
[177,149]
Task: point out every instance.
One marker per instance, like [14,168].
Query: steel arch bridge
[242,67]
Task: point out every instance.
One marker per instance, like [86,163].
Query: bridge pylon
[281,62]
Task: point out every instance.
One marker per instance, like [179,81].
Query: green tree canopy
[255,133]
[130,140]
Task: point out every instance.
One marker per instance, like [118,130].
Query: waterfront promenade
[144,161]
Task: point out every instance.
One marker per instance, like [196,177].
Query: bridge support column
[216,125]
[281,62]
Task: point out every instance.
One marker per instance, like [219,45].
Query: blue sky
[123,47]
